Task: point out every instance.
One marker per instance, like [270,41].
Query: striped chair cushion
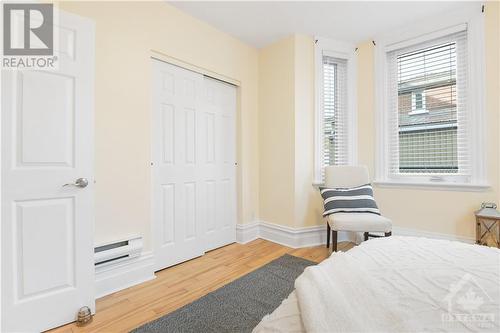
[349,200]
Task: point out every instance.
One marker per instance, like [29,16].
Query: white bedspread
[396,284]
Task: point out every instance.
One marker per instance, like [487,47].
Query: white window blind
[334,116]
[427,101]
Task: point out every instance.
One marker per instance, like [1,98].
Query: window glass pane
[334,117]
[335,136]
[329,106]
[427,83]
[418,101]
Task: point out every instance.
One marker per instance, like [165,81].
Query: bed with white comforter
[395,284]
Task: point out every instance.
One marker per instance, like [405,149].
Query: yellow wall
[308,205]
[276,132]
[126,33]
[447,212]
[286,132]
[276,122]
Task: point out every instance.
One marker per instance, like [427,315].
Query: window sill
[318,183]
[418,112]
[439,186]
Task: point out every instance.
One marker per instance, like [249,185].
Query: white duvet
[396,284]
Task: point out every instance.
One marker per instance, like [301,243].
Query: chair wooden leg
[387,234]
[334,240]
[366,236]
[327,235]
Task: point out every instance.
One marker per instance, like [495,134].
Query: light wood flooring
[182,284]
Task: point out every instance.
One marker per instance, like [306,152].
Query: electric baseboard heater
[118,251]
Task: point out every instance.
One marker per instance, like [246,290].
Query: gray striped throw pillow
[349,200]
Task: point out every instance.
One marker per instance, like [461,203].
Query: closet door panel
[176,199]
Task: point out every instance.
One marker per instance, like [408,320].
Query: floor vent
[118,251]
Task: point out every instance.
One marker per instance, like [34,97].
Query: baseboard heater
[118,251]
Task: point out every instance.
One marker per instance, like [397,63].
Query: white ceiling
[261,23]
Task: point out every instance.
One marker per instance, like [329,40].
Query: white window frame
[345,51]
[471,18]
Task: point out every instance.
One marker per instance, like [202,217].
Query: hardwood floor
[184,283]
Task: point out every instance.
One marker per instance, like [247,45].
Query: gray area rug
[238,306]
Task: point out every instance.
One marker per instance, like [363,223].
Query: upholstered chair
[348,177]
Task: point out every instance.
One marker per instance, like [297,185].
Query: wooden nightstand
[488,227]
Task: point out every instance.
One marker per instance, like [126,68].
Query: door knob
[80,182]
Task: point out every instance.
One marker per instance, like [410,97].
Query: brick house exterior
[427,119]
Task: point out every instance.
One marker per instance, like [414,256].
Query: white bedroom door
[193,176]
[47,228]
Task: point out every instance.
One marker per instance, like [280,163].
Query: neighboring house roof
[427,127]
[427,81]
[447,115]
[436,115]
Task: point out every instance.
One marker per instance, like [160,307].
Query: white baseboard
[247,232]
[121,275]
[316,235]
[115,277]
[287,236]
[399,231]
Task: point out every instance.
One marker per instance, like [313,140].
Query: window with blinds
[334,116]
[427,108]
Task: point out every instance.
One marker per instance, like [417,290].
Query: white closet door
[193,178]
[218,163]
[177,196]
[47,229]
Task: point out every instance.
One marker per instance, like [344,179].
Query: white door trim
[157,55]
